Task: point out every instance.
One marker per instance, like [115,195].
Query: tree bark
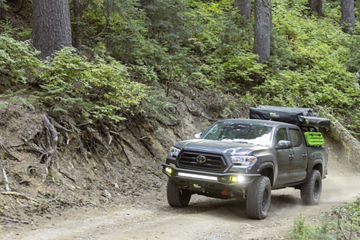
[316,6]
[244,7]
[76,26]
[51,26]
[347,15]
[262,29]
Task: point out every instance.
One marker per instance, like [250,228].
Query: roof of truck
[259,122]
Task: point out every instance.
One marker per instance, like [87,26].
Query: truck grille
[213,162]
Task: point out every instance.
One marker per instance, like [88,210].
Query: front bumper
[202,181]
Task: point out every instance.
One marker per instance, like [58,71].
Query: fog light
[233,179]
[237,179]
[169,170]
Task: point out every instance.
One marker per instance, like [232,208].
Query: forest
[148,47]
[102,63]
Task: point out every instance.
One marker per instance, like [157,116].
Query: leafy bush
[98,89]
[18,62]
[69,83]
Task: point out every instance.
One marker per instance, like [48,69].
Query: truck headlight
[243,160]
[174,152]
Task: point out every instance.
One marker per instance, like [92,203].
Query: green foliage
[342,223]
[3,5]
[177,42]
[204,44]
[97,90]
[18,62]
[313,62]
[69,83]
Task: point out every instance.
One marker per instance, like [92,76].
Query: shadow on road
[234,209]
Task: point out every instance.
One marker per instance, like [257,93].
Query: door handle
[304,155]
[291,156]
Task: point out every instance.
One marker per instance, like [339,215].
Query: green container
[314,139]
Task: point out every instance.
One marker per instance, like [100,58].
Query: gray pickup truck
[245,158]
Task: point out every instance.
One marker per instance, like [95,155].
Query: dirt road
[150,217]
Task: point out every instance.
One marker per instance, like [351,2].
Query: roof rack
[303,117]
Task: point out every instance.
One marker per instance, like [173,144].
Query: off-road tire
[178,198]
[311,190]
[258,198]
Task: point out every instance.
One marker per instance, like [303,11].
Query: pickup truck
[245,158]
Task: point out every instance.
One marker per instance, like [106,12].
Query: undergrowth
[341,223]
[70,83]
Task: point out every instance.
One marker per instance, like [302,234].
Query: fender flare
[316,162]
[269,165]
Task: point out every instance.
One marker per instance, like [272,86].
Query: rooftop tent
[298,116]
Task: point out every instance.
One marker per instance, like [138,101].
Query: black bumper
[202,181]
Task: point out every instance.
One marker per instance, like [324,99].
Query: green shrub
[342,223]
[18,62]
[99,89]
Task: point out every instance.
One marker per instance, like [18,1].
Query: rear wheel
[311,190]
[259,198]
[177,197]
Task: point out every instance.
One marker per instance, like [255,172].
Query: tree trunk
[316,6]
[244,7]
[76,25]
[347,15]
[51,26]
[262,29]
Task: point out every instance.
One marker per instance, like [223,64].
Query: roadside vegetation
[128,51]
[342,223]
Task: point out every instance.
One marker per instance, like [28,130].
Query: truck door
[283,158]
[299,160]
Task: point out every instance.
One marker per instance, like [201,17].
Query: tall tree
[347,15]
[244,7]
[316,6]
[51,26]
[77,9]
[262,29]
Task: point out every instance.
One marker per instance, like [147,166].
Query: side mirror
[283,144]
[198,135]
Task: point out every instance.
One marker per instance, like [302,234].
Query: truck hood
[218,147]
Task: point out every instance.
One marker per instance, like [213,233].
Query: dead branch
[14,220]
[57,125]
[7,188]
[67,176]
[51,133]
[20,195]
[82,149]
[6,149]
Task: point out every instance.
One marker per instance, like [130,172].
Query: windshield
[240,132]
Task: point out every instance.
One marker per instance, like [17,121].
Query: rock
[107,194]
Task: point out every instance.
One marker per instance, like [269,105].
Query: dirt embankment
[92,166]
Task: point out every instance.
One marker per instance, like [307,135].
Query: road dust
[150,217]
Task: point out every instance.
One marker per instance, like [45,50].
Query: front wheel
[259,198]
[177,197]
[311,190]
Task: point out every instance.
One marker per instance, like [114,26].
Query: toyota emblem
[201,159]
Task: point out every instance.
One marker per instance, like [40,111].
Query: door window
[295,137]
[281,135]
